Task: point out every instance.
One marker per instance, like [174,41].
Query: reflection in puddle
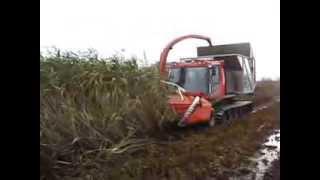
[269,153]
[263,159]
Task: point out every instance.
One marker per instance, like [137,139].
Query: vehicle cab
[203,76]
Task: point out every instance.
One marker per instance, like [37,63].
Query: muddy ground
[220,152]
[273,172]
[193,153]
[198,152]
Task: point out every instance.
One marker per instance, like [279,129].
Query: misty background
[142,28]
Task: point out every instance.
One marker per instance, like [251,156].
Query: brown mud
[273,172]
[218,152]
[202,153]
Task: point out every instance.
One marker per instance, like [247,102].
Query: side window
[174,75]
[215,79]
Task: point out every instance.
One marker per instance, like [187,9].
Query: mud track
[200,152]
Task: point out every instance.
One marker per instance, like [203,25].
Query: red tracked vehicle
[215,86]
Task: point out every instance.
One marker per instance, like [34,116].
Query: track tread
[233,111]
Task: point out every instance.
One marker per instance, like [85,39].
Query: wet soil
[273,173]
[200,152]
[222,152]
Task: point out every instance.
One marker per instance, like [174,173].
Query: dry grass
[266,90]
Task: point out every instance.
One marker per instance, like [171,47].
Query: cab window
[215,79]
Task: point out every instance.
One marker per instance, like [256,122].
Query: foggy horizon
[137,28]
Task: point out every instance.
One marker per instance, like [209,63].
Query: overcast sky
[145,25]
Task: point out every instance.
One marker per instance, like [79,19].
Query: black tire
[239,113]
[228,118]
[224,118]
[228,115]
[234,114]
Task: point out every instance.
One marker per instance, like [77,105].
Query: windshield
[193,79]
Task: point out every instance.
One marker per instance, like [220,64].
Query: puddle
[263,159]
[269,153]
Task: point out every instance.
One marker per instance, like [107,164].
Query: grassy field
[108,119]
[91,105]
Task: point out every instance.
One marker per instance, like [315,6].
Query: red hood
[179,105]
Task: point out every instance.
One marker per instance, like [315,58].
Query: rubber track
[234,111]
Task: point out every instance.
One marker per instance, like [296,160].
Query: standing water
[268,154]
[263,159]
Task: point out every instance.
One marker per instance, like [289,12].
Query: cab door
[215,84]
